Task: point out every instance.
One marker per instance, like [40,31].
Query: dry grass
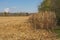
[45,21]
[12,27]
[18,28]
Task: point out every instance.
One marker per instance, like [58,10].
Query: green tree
[50,5]
[47,5]
[5,14]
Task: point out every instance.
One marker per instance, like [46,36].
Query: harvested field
[18,28]
[11,27]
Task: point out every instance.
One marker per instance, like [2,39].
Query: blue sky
[19,5]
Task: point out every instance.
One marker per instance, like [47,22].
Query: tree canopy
[50,5]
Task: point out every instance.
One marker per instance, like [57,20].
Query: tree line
[15,14]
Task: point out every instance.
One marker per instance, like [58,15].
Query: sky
[19,5]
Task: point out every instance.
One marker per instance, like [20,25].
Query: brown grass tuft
[44,20]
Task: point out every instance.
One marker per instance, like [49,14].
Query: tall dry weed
[43,20]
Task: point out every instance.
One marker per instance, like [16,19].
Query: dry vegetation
[45,21]
[18,28]
[12,28]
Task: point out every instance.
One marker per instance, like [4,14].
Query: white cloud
[6,9]
[12,9]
